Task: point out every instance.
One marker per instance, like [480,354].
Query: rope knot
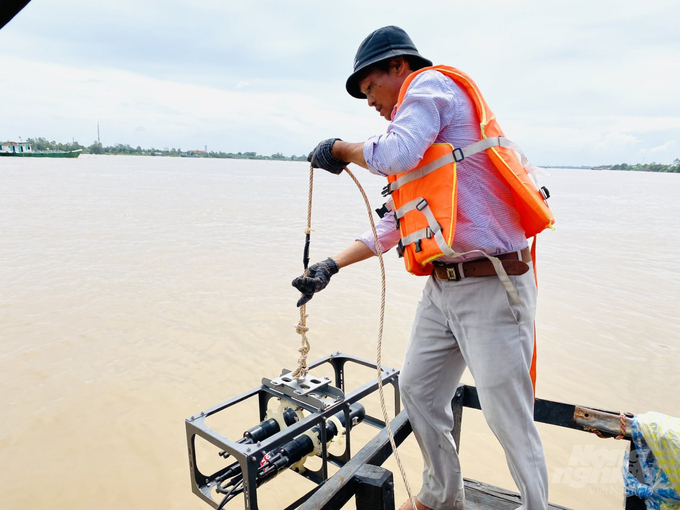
[301,329]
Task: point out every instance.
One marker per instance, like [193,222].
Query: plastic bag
[657,441]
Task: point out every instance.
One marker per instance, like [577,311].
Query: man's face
[382,89]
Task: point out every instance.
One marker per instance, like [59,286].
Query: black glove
[318,276]
[322,157]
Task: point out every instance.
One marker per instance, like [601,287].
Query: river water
[136,291]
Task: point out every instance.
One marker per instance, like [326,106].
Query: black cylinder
[270,427]
[292,452]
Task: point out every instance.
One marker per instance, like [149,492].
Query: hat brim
[352,84]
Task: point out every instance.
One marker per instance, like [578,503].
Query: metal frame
[315,400]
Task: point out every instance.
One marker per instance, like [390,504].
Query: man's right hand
[322,157]
[318,277]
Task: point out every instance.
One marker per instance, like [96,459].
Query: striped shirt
[436,110]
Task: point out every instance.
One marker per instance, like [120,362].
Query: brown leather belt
[483,267]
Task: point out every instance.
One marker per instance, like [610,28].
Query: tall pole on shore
[99,142]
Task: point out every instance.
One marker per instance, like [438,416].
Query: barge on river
[25,150]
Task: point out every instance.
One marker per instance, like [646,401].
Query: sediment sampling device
[298,419]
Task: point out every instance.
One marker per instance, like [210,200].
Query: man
[463,319]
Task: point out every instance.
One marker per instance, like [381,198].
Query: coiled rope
[302,328]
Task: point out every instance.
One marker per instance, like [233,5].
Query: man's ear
[400,65]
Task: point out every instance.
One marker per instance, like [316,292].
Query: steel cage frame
[248,456]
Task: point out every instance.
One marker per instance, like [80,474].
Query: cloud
[573,89]
[661,148]
[616,141]
[172,113]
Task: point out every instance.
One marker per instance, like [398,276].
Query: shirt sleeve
[415,127]
[388,234]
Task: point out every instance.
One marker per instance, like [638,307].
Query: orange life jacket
[425,196]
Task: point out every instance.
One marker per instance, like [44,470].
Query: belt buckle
[451,274]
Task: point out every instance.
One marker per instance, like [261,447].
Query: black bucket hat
[386,42]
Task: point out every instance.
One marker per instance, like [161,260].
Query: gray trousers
[472,323]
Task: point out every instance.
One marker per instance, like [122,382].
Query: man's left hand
[315,280]
[322,157]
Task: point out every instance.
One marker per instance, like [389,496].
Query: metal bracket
[312,390]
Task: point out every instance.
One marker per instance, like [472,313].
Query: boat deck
[481,496]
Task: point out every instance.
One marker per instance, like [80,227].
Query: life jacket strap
[457,156]
[434,230]
[495,141]
[418,173]
[425,233]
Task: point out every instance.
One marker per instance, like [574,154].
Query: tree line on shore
[644,167]
[42,144]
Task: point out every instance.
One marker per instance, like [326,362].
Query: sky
[574,83]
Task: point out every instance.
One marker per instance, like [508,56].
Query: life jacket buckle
[400,249]
[386,190]
[428,233]
[545,193]
[421,205]
[383,210]
[419,247]
[458,155]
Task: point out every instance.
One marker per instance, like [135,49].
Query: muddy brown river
[137,291]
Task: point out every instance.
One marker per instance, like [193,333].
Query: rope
[622,427]
[378,249]
[622,420]
[596,432]
[301,327]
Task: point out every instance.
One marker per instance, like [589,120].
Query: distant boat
[25,150]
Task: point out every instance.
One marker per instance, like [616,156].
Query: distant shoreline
[42,144]
[625,167]
[648,167]
[639,167]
